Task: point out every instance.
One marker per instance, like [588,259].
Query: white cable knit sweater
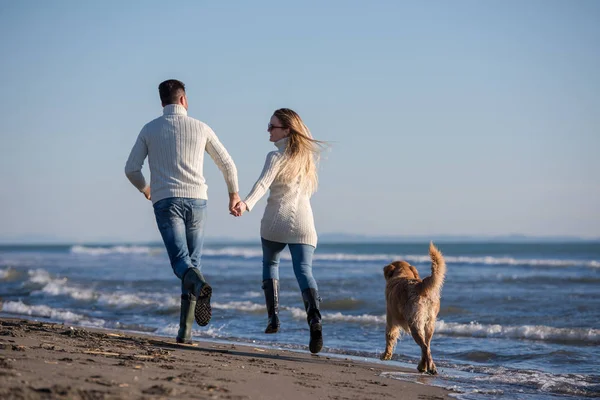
[288,216]
[174,144]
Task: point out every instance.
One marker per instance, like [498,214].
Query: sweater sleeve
[135,162]
[268,174]
[222,159]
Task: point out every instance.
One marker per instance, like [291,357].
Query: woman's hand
[239,209]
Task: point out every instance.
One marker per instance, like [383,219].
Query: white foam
[243,252]
[239,306]
[300,313]
[4,273]
[364,318]
[488,260]
[61,287]
[252,294]
[18,307]
[543,381]
[123,300]
[57,288]
[41,276]
[256,252]
[532,332]
[101,251]
[212,331]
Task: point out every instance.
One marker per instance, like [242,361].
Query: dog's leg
[429,328]
[419,336]
[392,332]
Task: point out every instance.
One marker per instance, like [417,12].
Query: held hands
[234,200]
[239,209]
[236,205]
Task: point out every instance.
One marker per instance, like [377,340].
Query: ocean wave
[468,260]
[51,286]
[564,384]
[300,313]
[248,253]
[20,308]
[102,251]
[530,332]
[212,331]
[246,306]
[6,273]
[499,381]
[256,252]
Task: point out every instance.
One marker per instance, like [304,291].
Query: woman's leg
[271,253]
[302,255]
[270,283]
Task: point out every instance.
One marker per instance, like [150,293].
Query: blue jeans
[181,224]
[302,255]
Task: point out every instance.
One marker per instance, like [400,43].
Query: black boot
[313,316]
[271,288]
[186,318]
[193,282]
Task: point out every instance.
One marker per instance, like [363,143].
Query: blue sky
[467,117]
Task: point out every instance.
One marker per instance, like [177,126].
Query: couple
[175,144]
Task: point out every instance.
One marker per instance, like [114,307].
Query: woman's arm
[268,174]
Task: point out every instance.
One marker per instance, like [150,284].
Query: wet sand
[41,360]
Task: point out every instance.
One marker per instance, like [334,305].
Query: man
[174,144]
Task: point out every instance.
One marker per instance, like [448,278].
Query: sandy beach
[41,360]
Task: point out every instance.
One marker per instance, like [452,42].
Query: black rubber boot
[271,288]
[313,316]
[186,318]
[194,282]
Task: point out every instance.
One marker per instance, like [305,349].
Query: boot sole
[203,310]
[183,341]
[316,338]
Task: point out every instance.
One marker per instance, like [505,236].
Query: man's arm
[134,164]
[224,162]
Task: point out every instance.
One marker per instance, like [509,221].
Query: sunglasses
[270,127]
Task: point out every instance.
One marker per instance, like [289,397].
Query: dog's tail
[433,284]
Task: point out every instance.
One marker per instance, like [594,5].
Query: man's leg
[193,281]
[170,218]
[169,215]
[194,225]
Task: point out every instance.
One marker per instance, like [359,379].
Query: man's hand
[239,209]
[234,199]
[146,192]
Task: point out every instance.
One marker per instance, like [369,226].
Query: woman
[290,173]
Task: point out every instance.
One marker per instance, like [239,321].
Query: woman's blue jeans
[181,224]
[302,255]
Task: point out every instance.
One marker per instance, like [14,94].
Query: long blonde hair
[301,153]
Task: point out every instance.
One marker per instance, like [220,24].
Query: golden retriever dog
[413,305]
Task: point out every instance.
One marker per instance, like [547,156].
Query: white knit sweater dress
[288,217]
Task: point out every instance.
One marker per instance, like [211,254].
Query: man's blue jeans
[181,224]
[302,255]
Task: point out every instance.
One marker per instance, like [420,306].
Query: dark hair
[171,91]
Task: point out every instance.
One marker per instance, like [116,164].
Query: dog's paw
[432,370]
[386,356]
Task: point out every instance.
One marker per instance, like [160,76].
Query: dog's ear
[388,271]
[415,272]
